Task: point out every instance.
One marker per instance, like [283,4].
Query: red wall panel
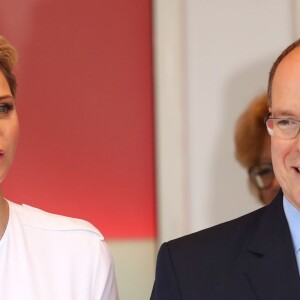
[85,105]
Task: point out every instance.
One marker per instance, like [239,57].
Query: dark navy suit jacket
[249,258]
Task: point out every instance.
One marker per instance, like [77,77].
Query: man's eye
[6,108]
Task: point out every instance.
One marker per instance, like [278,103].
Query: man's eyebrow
[4,97]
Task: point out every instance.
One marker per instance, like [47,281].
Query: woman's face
[9,127]
[268,194]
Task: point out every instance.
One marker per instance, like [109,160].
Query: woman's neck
[4,215]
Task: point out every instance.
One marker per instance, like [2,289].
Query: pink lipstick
[1,154]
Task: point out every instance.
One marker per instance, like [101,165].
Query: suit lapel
[271,265]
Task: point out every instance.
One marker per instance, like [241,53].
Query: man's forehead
[286,82]
[291,62]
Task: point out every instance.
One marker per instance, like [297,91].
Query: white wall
[135,267]
[228,49]
[169,73]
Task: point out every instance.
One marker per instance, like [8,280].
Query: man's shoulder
[39,219]
[227,235]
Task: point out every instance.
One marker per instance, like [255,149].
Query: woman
[42,255]
[253,149]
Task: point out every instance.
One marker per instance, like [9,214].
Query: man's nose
[297,142]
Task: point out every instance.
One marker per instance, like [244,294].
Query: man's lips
[297,169]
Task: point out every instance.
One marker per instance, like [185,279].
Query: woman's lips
[1,154]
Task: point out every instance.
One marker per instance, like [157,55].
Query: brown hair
[284,53]
[8,59]
[250,132]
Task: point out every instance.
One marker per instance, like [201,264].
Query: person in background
[42,255]
[253,149]
[256,256]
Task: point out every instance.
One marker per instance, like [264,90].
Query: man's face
[286,103]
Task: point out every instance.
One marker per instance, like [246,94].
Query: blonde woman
[42,255]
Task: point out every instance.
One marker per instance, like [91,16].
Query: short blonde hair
[250,132]
[8,59]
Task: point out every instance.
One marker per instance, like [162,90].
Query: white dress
[45,256]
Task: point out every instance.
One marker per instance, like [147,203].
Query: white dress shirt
[293,217]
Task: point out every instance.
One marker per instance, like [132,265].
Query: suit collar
[272,228]
[271,263]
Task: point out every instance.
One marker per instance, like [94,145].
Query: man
[255,256]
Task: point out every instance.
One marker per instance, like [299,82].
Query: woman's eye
[6,108]
[264,172]
[285,123]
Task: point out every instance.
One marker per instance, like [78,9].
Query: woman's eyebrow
[4,97]
[284,113]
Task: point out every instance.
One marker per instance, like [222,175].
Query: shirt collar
[293,217]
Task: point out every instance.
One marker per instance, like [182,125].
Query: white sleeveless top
[50,257]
